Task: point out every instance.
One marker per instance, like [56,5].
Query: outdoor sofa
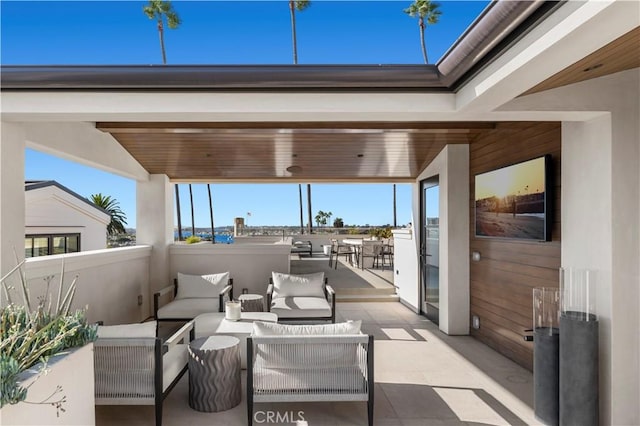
[306,363]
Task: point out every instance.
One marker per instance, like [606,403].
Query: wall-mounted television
[515,201]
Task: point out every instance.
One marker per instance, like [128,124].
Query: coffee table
[215,324]
[214,373]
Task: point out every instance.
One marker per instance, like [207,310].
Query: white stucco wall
[452,167]
[50,210]
[109,281]
[11,195]
[406,268]
[250,265]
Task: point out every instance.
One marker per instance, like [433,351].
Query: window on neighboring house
[44,245]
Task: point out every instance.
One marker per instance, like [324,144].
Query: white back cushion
[274,329]
[287,285]
[201,285]
[145,329]
[309,355]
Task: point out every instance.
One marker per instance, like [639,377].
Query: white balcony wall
[109,281]
[405,264]
[250,265]
[317,240]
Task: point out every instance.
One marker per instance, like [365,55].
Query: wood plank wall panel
[502,281]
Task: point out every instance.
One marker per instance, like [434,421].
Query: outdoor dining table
[357,259]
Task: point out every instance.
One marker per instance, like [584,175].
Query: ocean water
[220,239]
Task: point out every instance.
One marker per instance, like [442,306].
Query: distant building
[60,221]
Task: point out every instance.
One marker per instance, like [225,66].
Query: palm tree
[395,216]
[213,229]
[112,207]
[428,13]
[159,10]
[193,222]
[294,5]
[301,214]
[299,5]
[178,213]
[309,208]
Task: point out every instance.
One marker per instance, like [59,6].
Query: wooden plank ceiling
[620,55]
[289,151]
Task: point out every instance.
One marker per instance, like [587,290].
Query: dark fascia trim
[457,67]
[37,184]
[222,77]
[482,43]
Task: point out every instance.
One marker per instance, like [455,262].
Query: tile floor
[423,377]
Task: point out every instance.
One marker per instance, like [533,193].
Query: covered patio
[567,86]
[423,377]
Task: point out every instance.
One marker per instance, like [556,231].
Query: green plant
[30,336]
[381,232]
[193,239]
[112,207]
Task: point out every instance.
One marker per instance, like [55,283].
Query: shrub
[29,337]
[193,239]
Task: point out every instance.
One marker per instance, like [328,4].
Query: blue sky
[228,32]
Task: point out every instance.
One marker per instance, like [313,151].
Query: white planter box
[74,372]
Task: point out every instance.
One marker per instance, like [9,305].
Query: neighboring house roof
[38,184]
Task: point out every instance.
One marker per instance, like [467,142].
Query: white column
[600,231]
[454,243]
[12,208]
[154,226]
[452,167]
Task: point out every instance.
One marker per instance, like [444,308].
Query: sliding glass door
[429,248]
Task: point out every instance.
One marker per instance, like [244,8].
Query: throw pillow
[145,329]
[190,286]
[308,285]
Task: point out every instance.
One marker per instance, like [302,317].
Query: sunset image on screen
[510,201]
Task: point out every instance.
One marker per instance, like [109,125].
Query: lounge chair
[193,295]
[301,297]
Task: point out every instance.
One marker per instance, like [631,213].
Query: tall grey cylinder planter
[546,364]
[578,369]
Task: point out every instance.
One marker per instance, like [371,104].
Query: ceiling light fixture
[593,67]
[294,169]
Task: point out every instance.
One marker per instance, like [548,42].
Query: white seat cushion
[211,285]
[189,308]
[172,363]
[145,329]
[300,307]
